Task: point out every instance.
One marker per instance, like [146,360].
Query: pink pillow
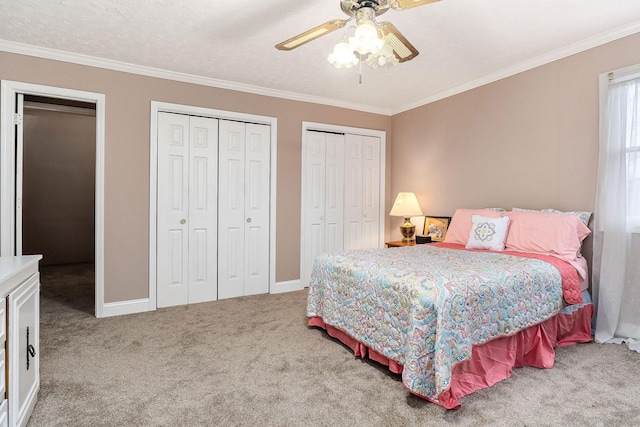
[461,223]
[559,235]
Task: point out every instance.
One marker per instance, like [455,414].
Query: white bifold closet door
[187,209]
[243,206]
[340,195]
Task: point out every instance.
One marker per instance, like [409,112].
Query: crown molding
[92,61]
[555,55]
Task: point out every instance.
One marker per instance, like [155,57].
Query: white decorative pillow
[488,233]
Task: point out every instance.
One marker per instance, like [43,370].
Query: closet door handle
[183,221]
[31,351]
[248,219]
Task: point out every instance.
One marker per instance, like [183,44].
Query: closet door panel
[370,192]
[323,198]
[313,199]
[203,210]
[257,176]
[362,192]
[334,192]
[231,208]
[173,210]
[353,192]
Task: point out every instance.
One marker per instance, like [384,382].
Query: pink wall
[128,98]
[530,140]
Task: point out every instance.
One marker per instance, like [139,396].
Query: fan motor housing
[351,7]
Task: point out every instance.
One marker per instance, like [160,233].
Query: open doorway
[58,196]
[12,96]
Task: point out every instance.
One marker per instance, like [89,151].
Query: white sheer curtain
[616,244]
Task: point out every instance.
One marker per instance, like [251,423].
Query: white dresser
[20,333]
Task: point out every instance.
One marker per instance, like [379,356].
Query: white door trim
[18,173]
[157,107]
[8,91]
[323,127]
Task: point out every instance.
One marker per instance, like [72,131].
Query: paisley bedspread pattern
[425,307]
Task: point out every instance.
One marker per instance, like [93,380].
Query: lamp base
[407,229]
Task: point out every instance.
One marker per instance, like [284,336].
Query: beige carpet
[253,361]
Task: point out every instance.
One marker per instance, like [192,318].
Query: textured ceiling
[462,43]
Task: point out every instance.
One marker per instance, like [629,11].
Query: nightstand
[400,243]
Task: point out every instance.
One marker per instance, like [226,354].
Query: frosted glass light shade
[384,58]
[406,205]
[342,56]
[366,40]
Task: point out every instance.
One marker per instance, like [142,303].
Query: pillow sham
[460,225]
[584,216]
[499,210]
[538,232]
[488,233]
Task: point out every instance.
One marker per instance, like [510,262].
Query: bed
[456,317]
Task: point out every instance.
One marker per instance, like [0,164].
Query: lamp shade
[406,205]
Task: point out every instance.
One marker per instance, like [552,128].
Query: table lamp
[406,205]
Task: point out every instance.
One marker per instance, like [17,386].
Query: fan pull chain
[360,75]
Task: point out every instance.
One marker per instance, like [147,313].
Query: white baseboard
[142,305]
[126,307]
[287,286]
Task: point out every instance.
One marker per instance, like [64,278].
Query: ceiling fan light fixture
[366,40]
[378,44]
[342,56]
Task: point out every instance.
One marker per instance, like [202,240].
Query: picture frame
[436,227]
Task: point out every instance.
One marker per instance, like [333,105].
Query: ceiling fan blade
[403,50]
[311,34]
[408,4]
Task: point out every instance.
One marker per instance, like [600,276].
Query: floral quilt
[425,306]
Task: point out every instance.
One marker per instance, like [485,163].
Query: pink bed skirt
[492,361]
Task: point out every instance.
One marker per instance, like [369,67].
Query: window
[633,186]
[624,138]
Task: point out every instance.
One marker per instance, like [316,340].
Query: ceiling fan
[364,12]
